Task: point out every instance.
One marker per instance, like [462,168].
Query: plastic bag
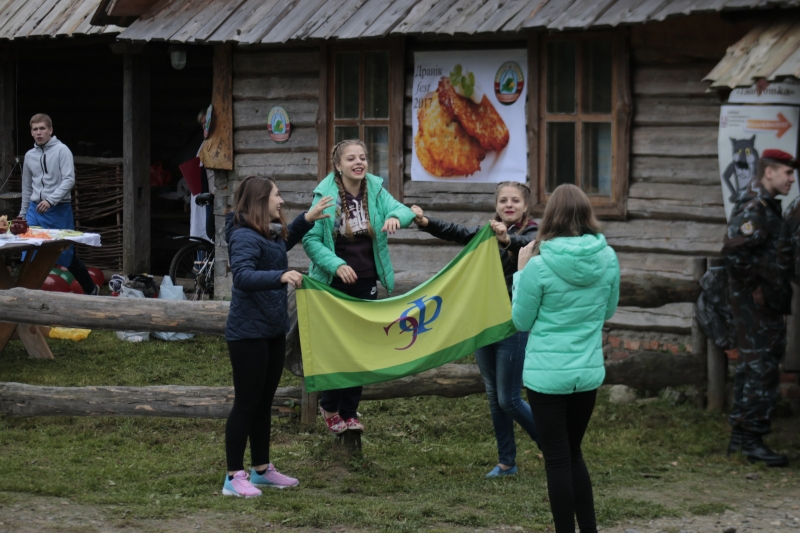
[73,334]
[714,308]
[132,336]
[171,292]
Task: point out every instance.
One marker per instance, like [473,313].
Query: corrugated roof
[769,51]
[278,21]
[21,19]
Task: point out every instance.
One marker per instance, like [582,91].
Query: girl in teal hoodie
[566,288]
[348,254]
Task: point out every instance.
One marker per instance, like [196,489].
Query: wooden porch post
[7,125]
[136,164]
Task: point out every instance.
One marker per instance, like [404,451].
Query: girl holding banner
[563,295]
[500,363]
[258,239]
[347,254]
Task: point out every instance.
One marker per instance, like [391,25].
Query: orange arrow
[780,126]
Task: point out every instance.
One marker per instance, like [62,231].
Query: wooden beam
[136,166]
[643,370]
[397,63]
[322,115]
[105,312]
[7,126]
[217,152]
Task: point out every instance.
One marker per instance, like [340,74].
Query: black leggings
[561,420]
[345,401]
[79,271]
[257,367]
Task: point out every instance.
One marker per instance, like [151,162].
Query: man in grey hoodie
[48,175]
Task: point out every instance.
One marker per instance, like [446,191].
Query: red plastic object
[76,287]
[192,173]
[97,276]
[55,283]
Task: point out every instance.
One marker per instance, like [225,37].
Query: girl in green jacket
[567,286]
[348,254]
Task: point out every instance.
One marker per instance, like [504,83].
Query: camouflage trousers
[761,340]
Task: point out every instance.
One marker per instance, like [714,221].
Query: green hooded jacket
[319,241]
[563,296]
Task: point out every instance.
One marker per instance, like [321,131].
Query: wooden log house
[663,213]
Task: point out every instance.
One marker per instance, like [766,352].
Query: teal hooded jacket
[563,296]
[319,242]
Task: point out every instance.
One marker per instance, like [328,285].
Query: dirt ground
[762,508]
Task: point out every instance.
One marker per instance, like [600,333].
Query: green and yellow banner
[348,342]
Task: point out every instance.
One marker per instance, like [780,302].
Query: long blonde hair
[336,158]
[568,213]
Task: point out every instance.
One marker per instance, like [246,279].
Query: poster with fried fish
[468,116]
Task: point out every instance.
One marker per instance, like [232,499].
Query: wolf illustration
[743,164]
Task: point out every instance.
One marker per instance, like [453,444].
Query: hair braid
[365,205]
[348,231]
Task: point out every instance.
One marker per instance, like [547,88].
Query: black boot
[754,449]
[735,445]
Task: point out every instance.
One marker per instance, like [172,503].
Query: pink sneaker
[353,424]
[272,478]
[239,486]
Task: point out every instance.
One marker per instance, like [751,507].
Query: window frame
[615,206]
[327,121]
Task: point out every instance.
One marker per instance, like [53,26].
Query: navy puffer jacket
[258,305]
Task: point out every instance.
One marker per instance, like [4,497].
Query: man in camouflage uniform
[758,257]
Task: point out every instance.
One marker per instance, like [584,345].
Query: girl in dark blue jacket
[258,239]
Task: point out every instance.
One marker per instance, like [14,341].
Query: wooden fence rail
[645,370]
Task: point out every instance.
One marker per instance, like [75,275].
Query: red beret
[779,156]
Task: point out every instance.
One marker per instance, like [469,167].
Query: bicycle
[195,261]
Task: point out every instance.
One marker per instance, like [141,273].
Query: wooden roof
[278,21]
[769,51]
[20,19]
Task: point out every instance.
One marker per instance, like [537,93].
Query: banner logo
[419,325]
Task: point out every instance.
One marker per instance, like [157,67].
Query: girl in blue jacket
[566,288]
[500,363]
[258,239]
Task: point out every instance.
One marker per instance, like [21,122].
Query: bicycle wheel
[195,262]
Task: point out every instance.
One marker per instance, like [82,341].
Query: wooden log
[275,62]
[679,170]
[673,236]
[643,370]
[276,87]
[693,141]
[259,141]
[673,201]
[281,166]
[21,400]
[678,80]
[677,111]
[104,312]
[669,318]
[252,114]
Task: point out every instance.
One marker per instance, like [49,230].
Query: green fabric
[319,241]
[563,297]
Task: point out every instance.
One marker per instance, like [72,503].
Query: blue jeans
[501,368]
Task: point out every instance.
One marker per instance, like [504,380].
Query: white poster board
[745,131]
[783,92]
[477,137]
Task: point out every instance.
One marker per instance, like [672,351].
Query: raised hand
[346,274]
[293,278]
[316,212]
[419,218]
[391,225]
[500,231]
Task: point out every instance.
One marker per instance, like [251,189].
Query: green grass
[422,466]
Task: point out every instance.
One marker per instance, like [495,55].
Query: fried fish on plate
[479,120]
[441,144]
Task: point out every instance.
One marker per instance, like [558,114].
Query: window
[365,92]
[584,117]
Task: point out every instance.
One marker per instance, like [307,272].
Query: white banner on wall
[745,131]
[468,116]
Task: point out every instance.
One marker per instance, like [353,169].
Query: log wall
[675,208]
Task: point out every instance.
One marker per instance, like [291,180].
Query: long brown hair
[251,206]
[526,197]
[568,213]
[336,158]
